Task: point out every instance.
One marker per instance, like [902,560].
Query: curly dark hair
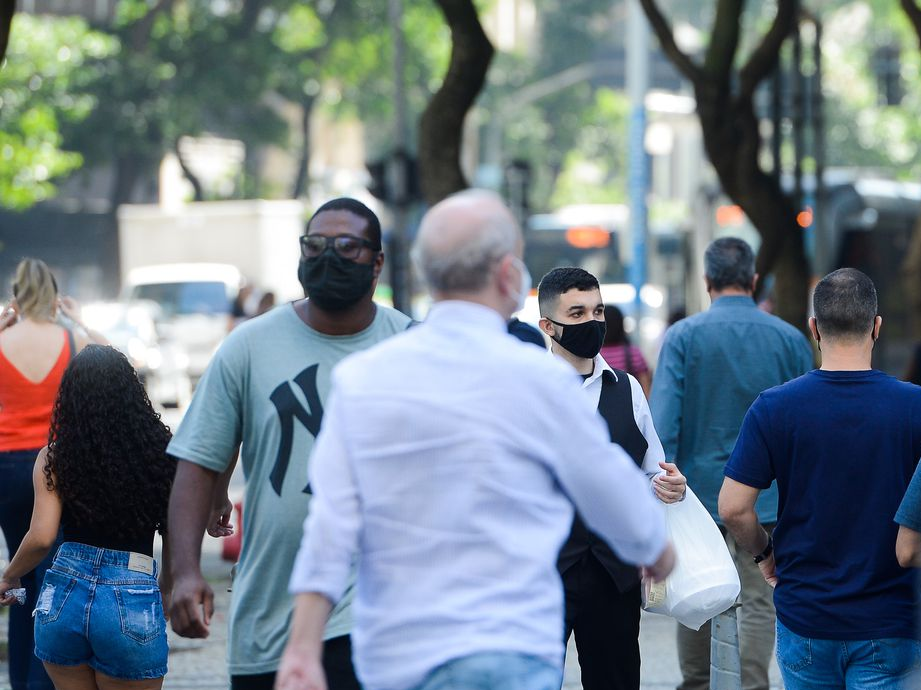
[107,456]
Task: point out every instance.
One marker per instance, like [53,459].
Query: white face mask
[525,287]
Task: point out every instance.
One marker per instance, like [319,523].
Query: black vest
[616,407]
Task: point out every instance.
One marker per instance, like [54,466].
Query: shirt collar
[468,313]
[733,301]
[600,366]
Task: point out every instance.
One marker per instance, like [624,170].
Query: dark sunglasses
[346,246]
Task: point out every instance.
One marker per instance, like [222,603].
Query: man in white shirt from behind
[448,470]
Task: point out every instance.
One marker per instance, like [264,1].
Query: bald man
[449,474]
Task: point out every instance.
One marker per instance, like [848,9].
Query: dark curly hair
[107,456]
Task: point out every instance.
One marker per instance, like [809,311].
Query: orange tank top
[25,406]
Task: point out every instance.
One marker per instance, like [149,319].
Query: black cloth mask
[581,339]
[334,283]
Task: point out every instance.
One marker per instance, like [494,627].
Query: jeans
[756,630]
[102,608]
[16,497]
[494,671]
[813,664]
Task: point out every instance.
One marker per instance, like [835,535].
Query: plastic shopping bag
[704,582]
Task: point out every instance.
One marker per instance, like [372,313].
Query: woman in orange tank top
[34,351]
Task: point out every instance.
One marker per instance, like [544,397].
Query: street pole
[638,166]
[725,664]
[398,258]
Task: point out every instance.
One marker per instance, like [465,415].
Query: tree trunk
[127,172]
[442,123]
[198,190]
[7,10]
[303,164]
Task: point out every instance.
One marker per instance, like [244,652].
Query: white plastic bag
[704,582]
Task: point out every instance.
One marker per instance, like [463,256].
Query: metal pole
[725,661]
[399,245]
[638,169]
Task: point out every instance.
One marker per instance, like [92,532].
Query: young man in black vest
[602,592]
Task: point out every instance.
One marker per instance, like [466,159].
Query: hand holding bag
[704,582]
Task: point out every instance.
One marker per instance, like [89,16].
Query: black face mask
[334,283]
[581,339]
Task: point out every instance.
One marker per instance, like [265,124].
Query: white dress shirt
[641,413]
[448,463]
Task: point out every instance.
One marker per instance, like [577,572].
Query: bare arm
[737,510]
[85,336]
[189,509]
[908,547]
[43,531]
[221,506]
[301,666]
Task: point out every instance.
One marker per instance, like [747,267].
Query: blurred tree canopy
[43,91]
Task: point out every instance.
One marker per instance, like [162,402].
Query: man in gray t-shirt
[263,394]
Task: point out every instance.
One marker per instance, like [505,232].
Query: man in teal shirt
[711,368]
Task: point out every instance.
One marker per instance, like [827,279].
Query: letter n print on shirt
[289,408]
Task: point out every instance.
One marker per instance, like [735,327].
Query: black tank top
[99,536]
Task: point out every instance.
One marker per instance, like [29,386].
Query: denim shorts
[102,608]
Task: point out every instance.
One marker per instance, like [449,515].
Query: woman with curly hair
[103,479]
[34,351]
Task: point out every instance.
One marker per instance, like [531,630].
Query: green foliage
[48,63]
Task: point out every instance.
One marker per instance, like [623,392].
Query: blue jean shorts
[102,608]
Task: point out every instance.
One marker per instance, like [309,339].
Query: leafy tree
[41,90]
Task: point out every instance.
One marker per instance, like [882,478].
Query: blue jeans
[494,671]
[16,496]
[813,664]
[102,608]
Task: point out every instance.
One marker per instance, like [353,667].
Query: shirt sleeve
[667,395]
[750,462]
[909,513]
[211,430]
[654,453]
[607,488]
[330,539]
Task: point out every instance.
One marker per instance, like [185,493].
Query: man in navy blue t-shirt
[842,442]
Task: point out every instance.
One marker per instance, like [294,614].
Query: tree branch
[442,123]
[724,41]
[7,10]
[914,15]
[764,58]
[663,31]
[140,30]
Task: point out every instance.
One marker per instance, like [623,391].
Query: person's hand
[6,584]
[768,570]
[669,487]
[299,671]
[219,522]
[664,564]
[9,315]
[70,308]
[192,606]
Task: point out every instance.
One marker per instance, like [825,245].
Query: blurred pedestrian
[526,333]
[908,517]
[266,303]
[266,389]
[712,367]
[104,480]
[619,353]
[601,591]
[841,443]
[448,471]
[240,307]
[34,351]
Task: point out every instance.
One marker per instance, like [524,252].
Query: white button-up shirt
[641,413]
[449,461]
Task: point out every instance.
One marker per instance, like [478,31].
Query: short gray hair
[466,267]
[729,262]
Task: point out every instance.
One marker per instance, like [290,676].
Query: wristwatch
[768,550]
